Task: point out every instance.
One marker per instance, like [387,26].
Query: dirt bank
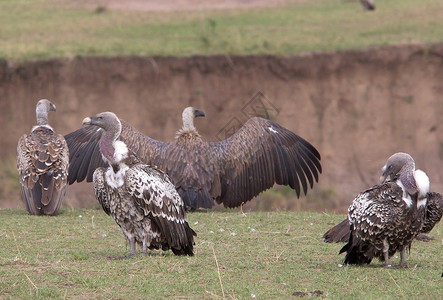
[356,107]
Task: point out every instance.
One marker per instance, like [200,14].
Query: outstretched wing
[84,150]
[259,155]
[154,193]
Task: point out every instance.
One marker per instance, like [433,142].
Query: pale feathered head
[43,107]
[189,114]
[395,164]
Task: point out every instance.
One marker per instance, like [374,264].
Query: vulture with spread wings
[231,171]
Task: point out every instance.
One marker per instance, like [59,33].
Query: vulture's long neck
[107,146]
[113,151]
[188,130]
[42,115]
[407,177]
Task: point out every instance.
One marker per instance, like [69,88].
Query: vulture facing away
[387,217]
[42,164]
[141,199]
[231,171]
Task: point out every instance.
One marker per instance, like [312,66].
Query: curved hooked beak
[52,107]
[199,113]
[87,121]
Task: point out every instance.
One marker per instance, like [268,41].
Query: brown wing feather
[232,171]
[434,211]
[338,233]
[42,163]
[192,170]
[261,154]
[101,189]
[153,192]
[85,154]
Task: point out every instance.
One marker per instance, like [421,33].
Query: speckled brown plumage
[230,172]
[387,217]
[141,199]
[378,216]
[42,164]
[434,211]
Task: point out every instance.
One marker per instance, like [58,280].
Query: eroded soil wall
[356,107]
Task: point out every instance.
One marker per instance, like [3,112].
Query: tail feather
[338,233]
[357,252]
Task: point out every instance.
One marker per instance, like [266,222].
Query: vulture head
[43,107]
[111,149]
[401,166]
[396,164]
[106,120]
[188,115]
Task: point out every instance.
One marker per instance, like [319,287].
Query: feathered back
[42,164]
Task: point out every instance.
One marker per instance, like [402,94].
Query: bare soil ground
[356,107]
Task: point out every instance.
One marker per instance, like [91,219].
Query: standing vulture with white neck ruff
[434,213]
[231,171]
[387,217]
[141,199]
[42,164]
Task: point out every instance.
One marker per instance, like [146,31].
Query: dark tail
[357,252]
[338,233]
[187,244]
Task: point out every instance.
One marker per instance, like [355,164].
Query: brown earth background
[356,107]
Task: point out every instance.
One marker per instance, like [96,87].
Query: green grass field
[262,255]
[47,28]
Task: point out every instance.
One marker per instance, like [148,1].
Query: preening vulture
[387,217]
[433,215]
[42,164]
[231,171]
[141,199]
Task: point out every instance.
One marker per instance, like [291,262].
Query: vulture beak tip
[86,121]
[199,113]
